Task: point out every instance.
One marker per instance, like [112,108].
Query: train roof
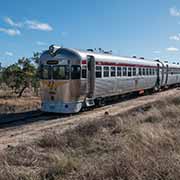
[113,58]
[133,60]
[82,54]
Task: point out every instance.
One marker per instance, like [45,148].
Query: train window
[84,71]
[106,71]
[113,71]
[124,71]
[118,71]
[98,71]
[45,72]
[75,72]
[144,72]
[153,71]
[150,71]
[147,71]
[60,72]
[134,71]
[129,71]
[140,71]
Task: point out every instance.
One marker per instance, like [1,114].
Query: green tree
[12,76]
[29,73]
[36,57]
[20,76]
[23,74]
[36,80]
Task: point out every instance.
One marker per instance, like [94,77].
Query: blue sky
[127,27]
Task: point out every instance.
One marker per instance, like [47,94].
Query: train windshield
[75,72]
[45,72]
[60,72]
[54,72]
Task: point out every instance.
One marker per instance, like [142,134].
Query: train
[73,79]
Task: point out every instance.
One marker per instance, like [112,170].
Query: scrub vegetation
[19,86]
[142,144]
[16,78]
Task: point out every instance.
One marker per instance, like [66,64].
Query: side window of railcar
[124,71]
[113,71]
[118,71]
[140,71]
[84,71]
[147,71]
[129,71]
[106,71]
[98,71]
[150,71]
[134,71]
[75,72]
[144,71]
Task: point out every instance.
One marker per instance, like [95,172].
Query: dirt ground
[134,139]
[31,131]
[17,105]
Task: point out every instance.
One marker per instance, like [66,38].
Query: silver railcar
[72,79]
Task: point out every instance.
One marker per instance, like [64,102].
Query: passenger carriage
[72,79]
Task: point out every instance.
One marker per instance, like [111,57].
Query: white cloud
[175,38]
[30,24]
[38,25]
[156,52]
[174,12]
[10,32]
[172,49]
[9,21]
[7,53]
[40,43]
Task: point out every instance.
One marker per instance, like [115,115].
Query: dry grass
[16,105]
[10,103]
[143,144]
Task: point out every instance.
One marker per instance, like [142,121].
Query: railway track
[8,120]
[17,119]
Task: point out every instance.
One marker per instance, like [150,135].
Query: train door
[90,75]
[166,79]
[162,74]
[158,77]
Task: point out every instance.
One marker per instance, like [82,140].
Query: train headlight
[53,49]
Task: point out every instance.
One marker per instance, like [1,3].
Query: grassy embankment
[142,144]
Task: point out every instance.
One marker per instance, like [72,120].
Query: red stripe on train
[83,62]
[119,64]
